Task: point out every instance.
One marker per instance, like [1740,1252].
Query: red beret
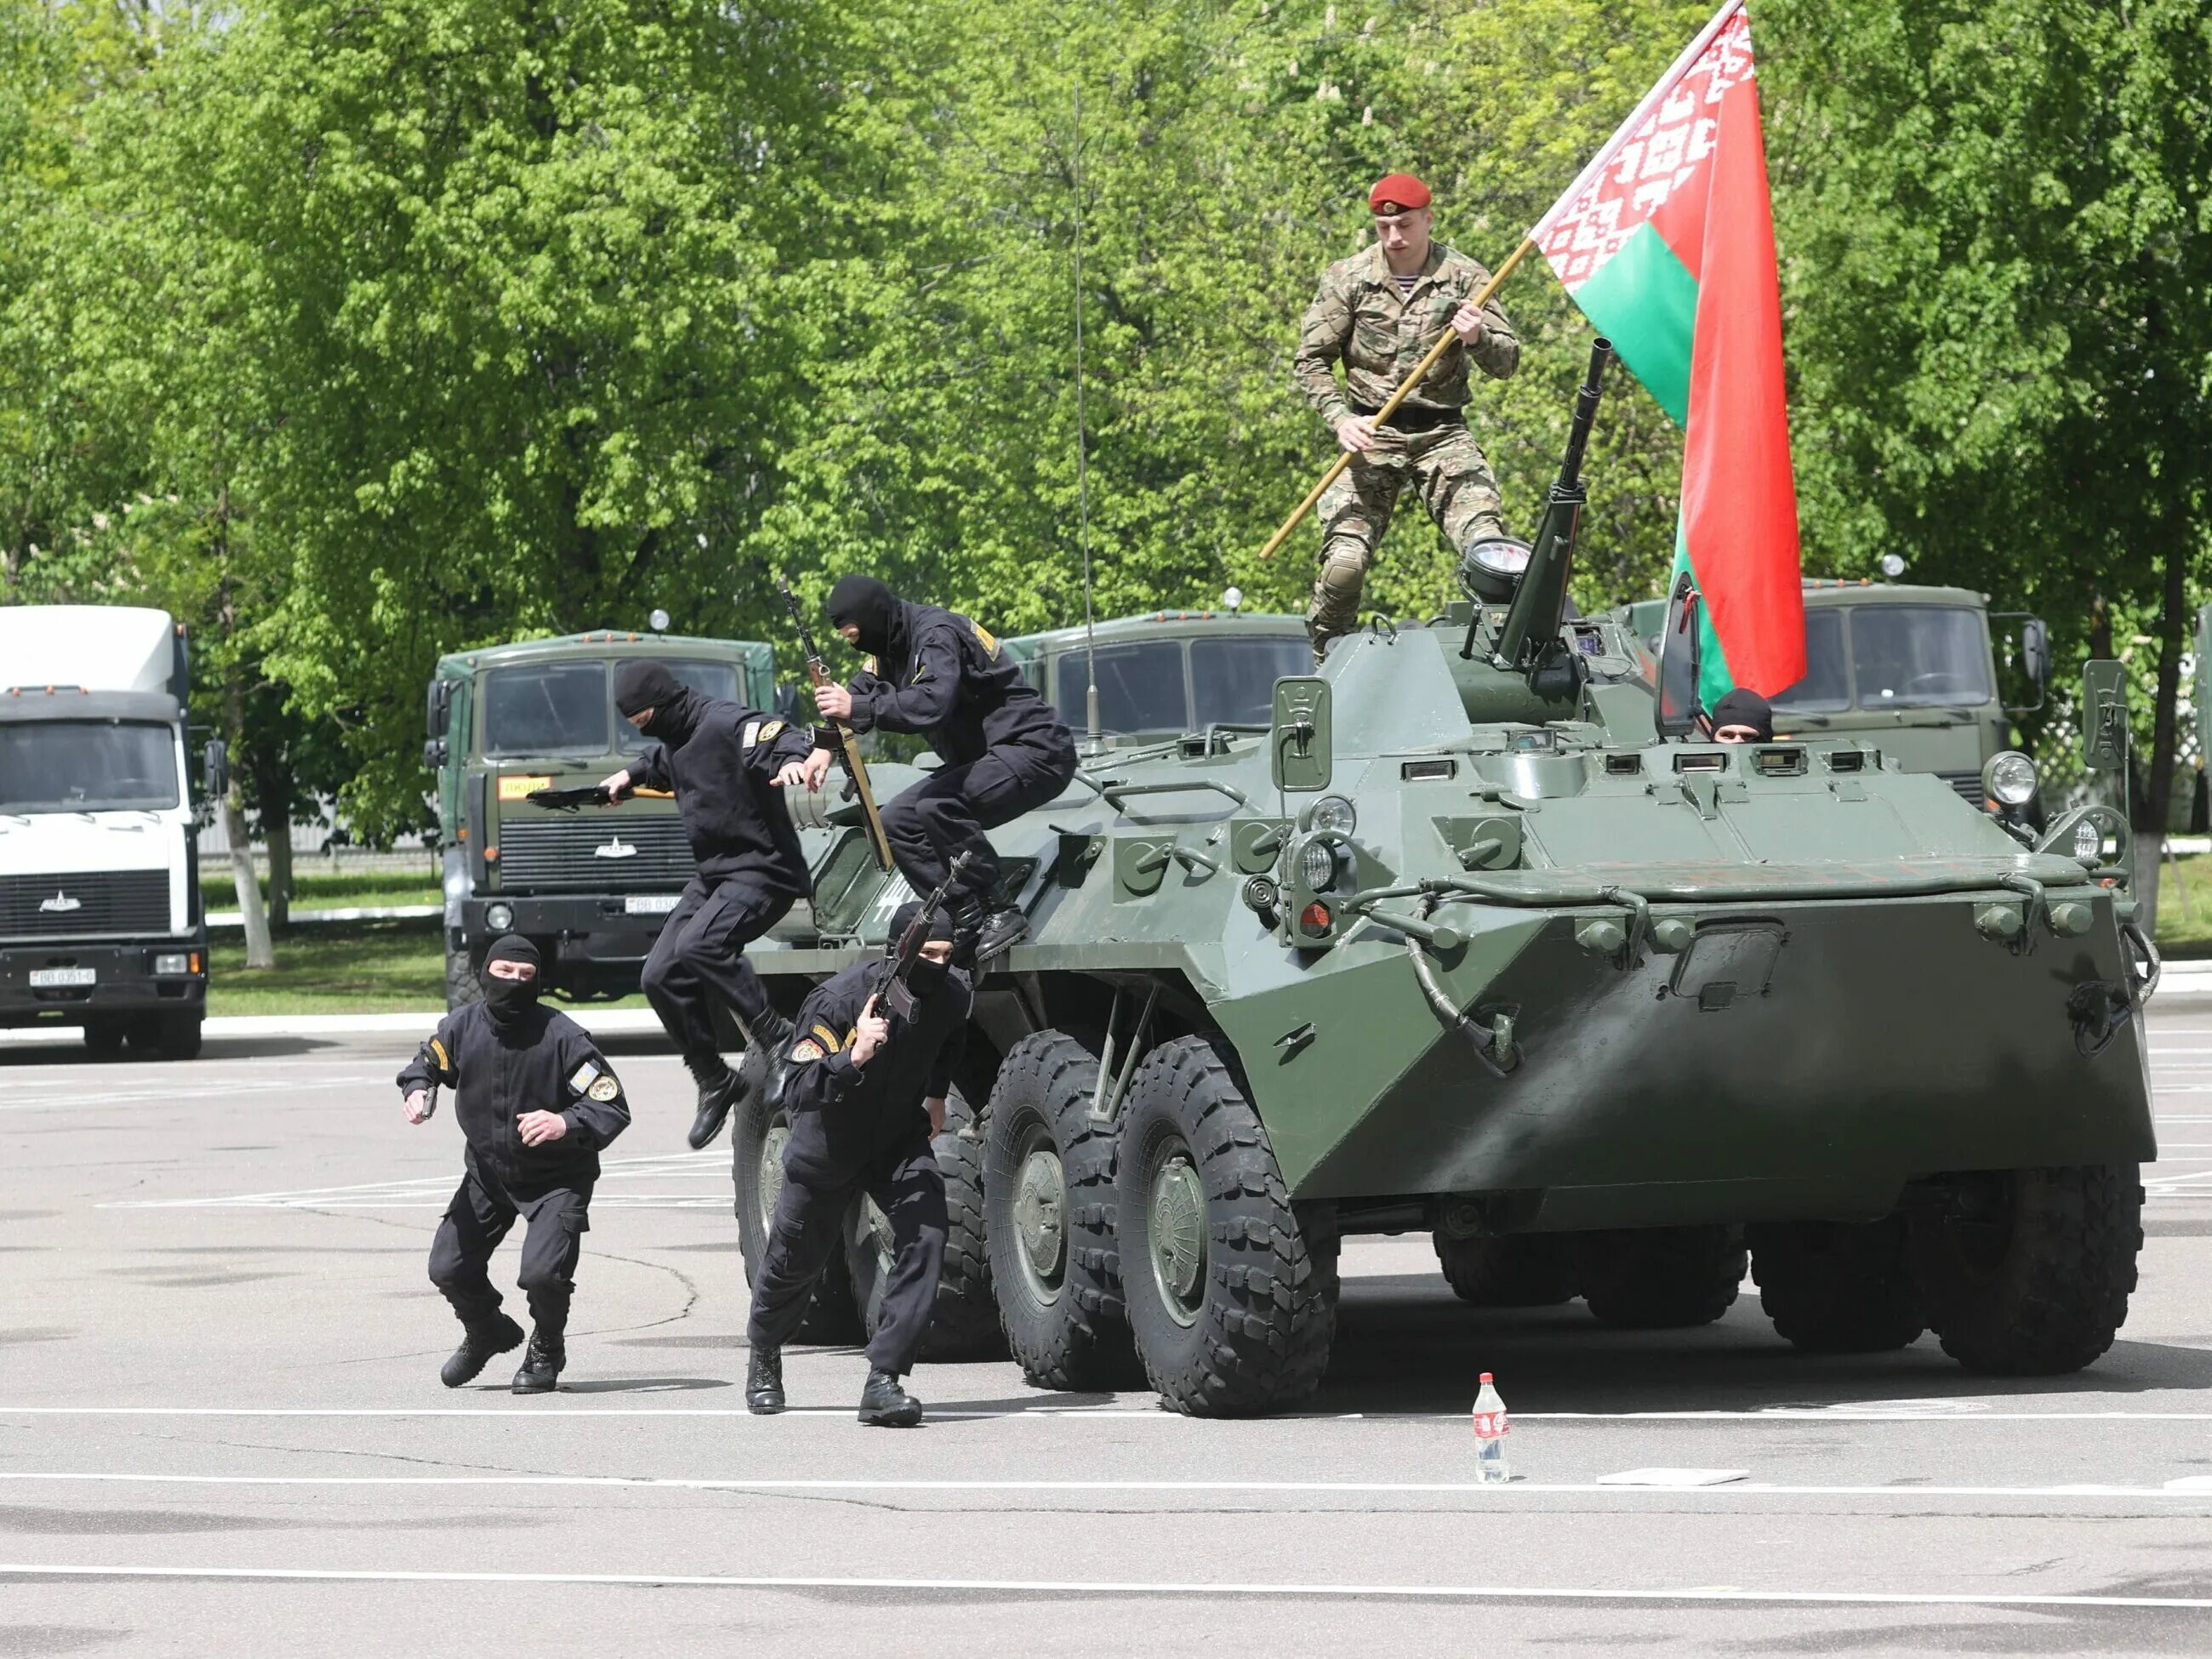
[1400,188]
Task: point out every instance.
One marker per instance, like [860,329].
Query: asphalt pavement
[222,1432]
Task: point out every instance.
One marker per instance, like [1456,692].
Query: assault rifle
[588,795]
[848,746]
[896,995]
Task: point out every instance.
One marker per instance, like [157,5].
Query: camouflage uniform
[1359,318]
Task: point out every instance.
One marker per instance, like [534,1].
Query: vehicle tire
[1049,1220]
[463,979]
[1526,1270]
[756,1138]
[1835,1286]
[964,1323]
[105,1037]
[1231,1290]
[2027,1273]
[177,1035]
[1657,1278]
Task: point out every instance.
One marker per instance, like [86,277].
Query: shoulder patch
[769,729]
[752,733]
[603,1088]
[830,1043]
[438,1049]
[989,640]
[919,675]
[807,1049]
[868,663]
[583,1076]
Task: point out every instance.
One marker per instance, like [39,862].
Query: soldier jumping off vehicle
[722,760]
[1005,750]
[1378,312]
[866,1092]
[536,1102]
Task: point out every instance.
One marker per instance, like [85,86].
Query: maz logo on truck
[60,901]
[615,848]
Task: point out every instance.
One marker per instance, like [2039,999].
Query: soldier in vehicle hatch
[537,1102]
[1740,716]
[1005,750]
[721,760]
[866,1092]
[1378,312]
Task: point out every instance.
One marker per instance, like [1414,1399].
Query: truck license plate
[56,979]
[648,904]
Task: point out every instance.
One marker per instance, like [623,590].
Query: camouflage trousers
[1446,468]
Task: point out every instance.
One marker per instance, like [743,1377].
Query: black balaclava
[870,607]
[645,684]
[925,977]
[1743,708]
[508,999]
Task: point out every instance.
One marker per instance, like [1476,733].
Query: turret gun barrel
[1540,603]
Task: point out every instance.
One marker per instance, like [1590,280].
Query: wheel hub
[1178,1235]
[1041,1216]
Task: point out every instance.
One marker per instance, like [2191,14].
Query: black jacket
[545,1062]
[945,677]
[720,759]
[842,1115]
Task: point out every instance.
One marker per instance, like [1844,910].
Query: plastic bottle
[1490,1436]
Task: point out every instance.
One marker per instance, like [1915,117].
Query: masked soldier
[537,1102]
[1005,750]
[720,759]
[1379,312]
[867,1091]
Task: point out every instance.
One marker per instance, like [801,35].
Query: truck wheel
[177,1035]
[2027,1272]
[1232,1291]
[833,1318]
[965,1324]
[1837,1287]
[1532,1270]
[463,979]
[1048,1219]
[104,1036]
[1657,1278]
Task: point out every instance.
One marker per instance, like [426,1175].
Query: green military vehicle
[1916,664]
[1473,939]
[1166,672]
[590,890]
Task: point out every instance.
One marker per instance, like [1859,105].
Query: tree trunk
[2157,798]
[279,838]
[259,952]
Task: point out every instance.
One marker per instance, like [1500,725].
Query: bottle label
[1489,1425]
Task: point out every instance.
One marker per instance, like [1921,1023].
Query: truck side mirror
[2035,651]
[437,708]
[216,766]
[433,753]
[1680,646]
[2103,716]
[1301,747]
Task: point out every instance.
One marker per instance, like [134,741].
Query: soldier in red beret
[1378,312]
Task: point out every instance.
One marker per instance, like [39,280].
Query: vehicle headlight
[501,917]
[2089,840]
[1500,556]
[1317,863]
[1334,814]
[172,961]
[2009,779]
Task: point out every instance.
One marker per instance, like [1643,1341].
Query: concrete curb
[232,921]
[600,1022]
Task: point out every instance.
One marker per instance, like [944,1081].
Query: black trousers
[701,953]
[810,1222]
[947,813]
[480,1216]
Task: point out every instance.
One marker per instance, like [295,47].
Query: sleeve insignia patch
[438,1049]
[807,1049]
[870,664]
[582,1079]
[769,729]
[990,640]
[829,1043]
[603,1088]
[752,733]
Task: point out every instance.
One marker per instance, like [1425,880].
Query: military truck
[590,890]
[1475,939]
[1165,672]
[1914,663]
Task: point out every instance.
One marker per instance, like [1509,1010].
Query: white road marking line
[1110,1587]
[653,1163]
[92,1100]
[1902,1412]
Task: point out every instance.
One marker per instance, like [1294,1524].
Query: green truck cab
[589,888]
[1912,664]
[1166,672]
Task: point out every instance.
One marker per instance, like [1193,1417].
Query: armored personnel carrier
[1469,938]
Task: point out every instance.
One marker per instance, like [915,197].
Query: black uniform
[720,759]
[1005,750]
[857,1129]
[505,1064]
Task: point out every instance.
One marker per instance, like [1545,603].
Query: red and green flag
[1667,243]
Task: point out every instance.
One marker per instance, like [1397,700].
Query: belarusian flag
[1667,243]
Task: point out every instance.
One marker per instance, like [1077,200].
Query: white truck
[100,920]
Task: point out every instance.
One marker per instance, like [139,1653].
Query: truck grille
[94,905]
[1968,784]
[566,855]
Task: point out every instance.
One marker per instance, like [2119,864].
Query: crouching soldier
[866,1092]
[535,1104]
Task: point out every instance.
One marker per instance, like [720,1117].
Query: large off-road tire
[2027,1273]
[756,1138]
[965,1322]
[463,979]
[1048,1210]
[176,1034]
[1526,1270]
[1232,1291]
[104,1036]
[1837,1287]
[1656,1279]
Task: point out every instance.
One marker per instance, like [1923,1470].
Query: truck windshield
[713,679]
[1233,681]
[1919,656]
[1826,686]
[560,709]
[87,766]
[1139,688]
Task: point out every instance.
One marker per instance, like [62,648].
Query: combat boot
[479,1343]
[541,1365]
[1001,930]
[765,1382]
[884,1405]
[774,1033]
[719,1089]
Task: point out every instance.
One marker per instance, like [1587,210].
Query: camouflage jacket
[1358,318]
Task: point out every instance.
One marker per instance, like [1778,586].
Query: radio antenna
[1093,740]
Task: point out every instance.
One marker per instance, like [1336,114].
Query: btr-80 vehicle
[1468,938]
